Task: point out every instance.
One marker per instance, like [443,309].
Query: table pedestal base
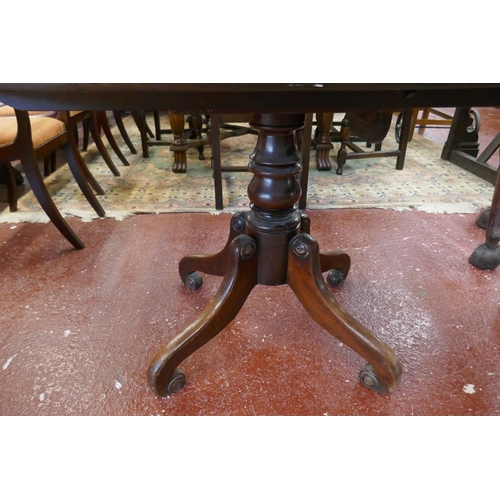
[271,245]
[240,262]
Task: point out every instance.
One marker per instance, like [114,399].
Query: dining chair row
[32,137]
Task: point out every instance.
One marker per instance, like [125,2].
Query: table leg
[196,124]
[487,255]
[270,245]
[179,143]
[323,141]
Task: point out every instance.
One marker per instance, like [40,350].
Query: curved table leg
[214,264]
[164,376]
[270,245]
[383,372]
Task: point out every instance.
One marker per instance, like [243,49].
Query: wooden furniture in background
[370,128]
[32,139]
[462,149]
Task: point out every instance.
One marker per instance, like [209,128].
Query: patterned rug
[149,186]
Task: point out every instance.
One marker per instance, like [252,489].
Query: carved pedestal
[270,245]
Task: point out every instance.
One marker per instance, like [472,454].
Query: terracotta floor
[79,328]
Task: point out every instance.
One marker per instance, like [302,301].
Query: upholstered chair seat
[42,130]
[28,139]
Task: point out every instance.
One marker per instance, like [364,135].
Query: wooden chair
[31,139]
[371,128]
[194,136]
[91,121]
[123,131]
[103,123]
[50,161]
[222,127]
[429,117]
[95,122]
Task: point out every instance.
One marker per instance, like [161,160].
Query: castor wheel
[369,379]
[193,280]
[335,277]
[176,382]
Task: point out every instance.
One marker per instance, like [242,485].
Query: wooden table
[269,244]
[462,149]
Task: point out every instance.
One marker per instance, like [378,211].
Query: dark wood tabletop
[251,97]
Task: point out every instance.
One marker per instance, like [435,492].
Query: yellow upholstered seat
[43,129]
[29,139]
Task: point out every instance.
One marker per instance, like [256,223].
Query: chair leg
[104,124]
[35,179]
[123,131]
[85,126]
[140,121]
[424,118]
[306,155]
[75,133]
[53,162]
[414,119]
[81,179]
[216,160]
[345,135]
[156,116]
[404,138]
[83,167]
[46,166]
[94,130]
[10,181]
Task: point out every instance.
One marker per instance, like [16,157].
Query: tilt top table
[269,244]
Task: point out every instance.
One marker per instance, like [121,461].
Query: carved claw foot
[323,162]
[180,162]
